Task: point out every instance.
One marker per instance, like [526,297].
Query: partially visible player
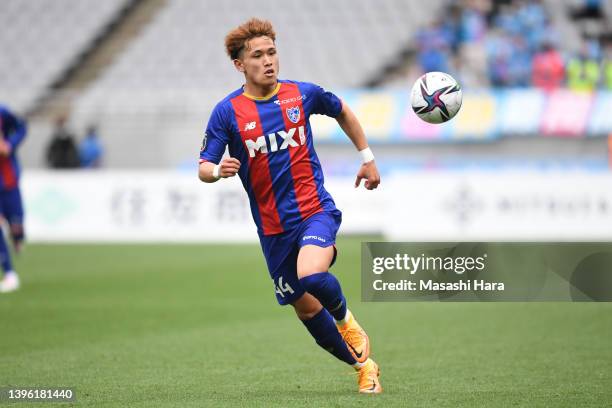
[265,124]
[12,132]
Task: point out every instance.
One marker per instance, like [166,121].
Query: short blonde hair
[237,39]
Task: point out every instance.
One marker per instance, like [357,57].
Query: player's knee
[17,232]
[16,229]
[307,307]
[305,315]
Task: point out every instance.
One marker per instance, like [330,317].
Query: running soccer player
[12,132]
[266,126]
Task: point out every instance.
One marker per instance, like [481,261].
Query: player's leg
[281,255]
[321,326]
[313,262]
[13,209]
[316,255]
[328,287]
[10,280]
[312,265]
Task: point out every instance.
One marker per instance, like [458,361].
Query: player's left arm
[351,126]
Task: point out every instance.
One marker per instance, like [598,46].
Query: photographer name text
[448,266]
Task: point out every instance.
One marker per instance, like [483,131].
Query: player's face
[259,62]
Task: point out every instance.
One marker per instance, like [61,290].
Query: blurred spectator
[534,24]
[583,72]
[499,54]
[451,25]
[589,9]
[548,72]
[433,44]
[473,59]
[520,62]
[472,51]
[90,149]
[61,151]
[507,20]
[473,24]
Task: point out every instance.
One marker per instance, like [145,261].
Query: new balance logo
[287,137]
[250,126]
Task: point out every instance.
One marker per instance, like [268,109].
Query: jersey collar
[263,98]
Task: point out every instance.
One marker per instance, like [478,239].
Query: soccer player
[265,124]
[12,132]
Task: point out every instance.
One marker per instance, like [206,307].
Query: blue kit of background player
[12,132]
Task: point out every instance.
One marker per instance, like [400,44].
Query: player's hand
[229,167]
[369,172]
[5,148]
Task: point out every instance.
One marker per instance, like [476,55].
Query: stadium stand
[184,45]
[153,98]
[41,39]
[518,44]
[171,75]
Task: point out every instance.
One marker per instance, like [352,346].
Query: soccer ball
[436,97]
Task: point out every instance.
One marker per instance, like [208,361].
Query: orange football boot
[368,378]
[355,337]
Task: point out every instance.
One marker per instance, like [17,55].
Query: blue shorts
[281,251]
[11,206]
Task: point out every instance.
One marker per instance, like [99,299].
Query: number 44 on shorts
[281,287]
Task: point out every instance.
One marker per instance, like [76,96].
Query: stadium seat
[54,34]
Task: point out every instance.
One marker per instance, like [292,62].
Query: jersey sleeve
[325,102]
[216,136]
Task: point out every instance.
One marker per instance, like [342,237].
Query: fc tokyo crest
[293,114]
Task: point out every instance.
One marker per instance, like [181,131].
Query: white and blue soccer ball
[436,97]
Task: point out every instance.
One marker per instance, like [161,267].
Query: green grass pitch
[198,325]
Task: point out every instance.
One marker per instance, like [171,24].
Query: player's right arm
[212,166]
[10,141]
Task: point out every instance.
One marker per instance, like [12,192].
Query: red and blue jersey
[272,138]
[13,131]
